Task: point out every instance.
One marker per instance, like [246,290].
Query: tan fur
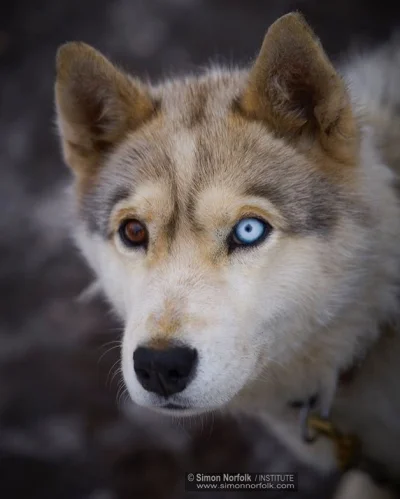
[97,104]
[295,89]
[168,324]
[285,141]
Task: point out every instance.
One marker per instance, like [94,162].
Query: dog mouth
[175,407]
[180,410]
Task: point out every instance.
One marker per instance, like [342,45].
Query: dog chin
[180,411]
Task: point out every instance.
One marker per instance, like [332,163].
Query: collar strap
[348,446]
[345,378]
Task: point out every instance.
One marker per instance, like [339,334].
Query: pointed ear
[294,88]
[96,105]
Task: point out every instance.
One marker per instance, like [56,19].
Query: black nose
[164,372]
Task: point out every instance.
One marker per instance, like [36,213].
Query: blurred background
[66,430]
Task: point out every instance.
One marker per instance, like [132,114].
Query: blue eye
[249,232]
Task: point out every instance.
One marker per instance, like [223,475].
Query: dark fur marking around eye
[97,207]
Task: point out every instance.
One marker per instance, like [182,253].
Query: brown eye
[133,233]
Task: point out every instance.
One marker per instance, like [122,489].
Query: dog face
[219,214]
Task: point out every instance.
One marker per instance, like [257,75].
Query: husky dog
[245,226]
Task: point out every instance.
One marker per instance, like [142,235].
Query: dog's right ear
[97,105]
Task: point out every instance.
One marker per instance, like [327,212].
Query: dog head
[219,215]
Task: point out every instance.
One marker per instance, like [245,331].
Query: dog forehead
[225,152]
[197,141]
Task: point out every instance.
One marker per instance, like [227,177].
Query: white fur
[268,335]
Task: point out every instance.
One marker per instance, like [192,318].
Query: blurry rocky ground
[65,431]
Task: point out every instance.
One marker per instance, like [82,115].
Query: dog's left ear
[97,105]
[293,86]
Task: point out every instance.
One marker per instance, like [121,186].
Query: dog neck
[348,375]
[354,443]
